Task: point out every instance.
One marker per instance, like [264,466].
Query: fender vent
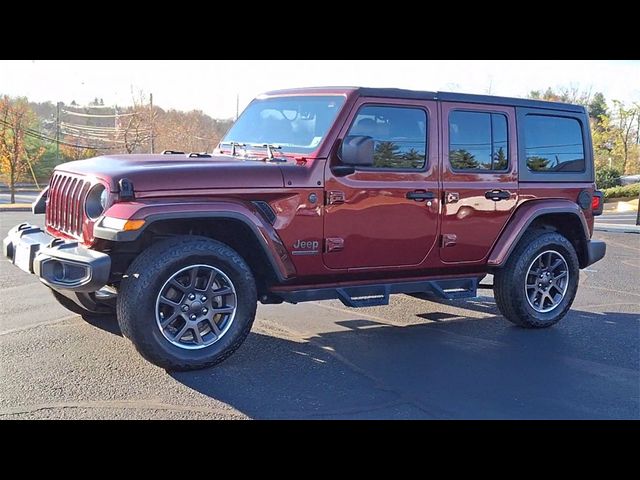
[265,209]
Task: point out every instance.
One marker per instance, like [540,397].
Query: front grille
[65,203]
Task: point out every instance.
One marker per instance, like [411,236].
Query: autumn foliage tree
[75,152]
[19,147]
[191,131]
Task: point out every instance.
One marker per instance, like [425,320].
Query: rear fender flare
[523,217]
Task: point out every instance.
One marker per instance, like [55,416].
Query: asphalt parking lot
[413,359]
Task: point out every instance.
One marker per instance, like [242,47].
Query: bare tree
[134,125]
[574,94]
[134,134]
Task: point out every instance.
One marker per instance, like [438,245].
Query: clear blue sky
[212,85]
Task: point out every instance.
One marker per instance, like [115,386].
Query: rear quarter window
[553,144]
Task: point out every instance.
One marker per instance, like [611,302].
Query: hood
[177,172]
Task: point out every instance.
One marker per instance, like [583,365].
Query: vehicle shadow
[584,367]
[108,323]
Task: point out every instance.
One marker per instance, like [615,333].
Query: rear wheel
[187,303]
[538,284]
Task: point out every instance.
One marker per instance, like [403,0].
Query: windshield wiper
[270,148]
[233,146]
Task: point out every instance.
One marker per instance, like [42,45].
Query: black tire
[509,281]
[83,312]
[145,278]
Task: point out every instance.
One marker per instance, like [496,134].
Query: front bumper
[60,265]
[595,251]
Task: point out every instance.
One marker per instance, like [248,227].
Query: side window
[399,133]
[553,144]
[478,141]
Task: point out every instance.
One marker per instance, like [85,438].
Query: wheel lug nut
[191,296]
[185,308]
[204,311]
[203,298]
[193,316]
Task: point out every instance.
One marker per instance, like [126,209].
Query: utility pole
[58,133]
[151,122]
[237,105]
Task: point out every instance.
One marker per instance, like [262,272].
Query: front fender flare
[246,213]
[523,217]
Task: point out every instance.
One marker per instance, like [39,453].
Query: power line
[99,115]
[35,134]
[92,138]
[74,105]
[88,127]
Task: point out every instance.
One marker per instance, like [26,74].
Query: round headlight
[104,198]
[96,201]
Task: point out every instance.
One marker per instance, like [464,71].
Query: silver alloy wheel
[196,306]
[546,282]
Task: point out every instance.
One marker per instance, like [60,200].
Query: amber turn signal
[133,225]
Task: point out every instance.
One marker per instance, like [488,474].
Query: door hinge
[334,244]
[451,197]
[335,197]
[449,239]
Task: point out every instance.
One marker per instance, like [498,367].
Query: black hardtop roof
[445,96]
[468,98]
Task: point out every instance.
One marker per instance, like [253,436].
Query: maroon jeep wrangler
[321,193]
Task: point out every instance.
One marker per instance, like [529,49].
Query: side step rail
[456,289]
[363,296]
[378,294]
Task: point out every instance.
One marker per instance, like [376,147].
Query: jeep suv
[321,193]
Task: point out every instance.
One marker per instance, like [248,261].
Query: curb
[15,209]
[621,206]
[617,228]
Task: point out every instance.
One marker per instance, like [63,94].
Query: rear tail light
[597,203]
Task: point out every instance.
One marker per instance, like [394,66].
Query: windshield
[296,124]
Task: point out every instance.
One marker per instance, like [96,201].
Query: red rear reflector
[595,203]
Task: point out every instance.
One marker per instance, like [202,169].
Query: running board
[378,294]
[456,289]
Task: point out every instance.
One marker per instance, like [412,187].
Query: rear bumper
[60,265]
[596,251]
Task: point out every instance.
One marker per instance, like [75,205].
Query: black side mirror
[357,150]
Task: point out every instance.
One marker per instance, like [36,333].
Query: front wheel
[536,287]
[187,303]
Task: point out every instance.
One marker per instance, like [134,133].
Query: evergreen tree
[500,159]
[463,159]
[536,163]
[413,159]
[598,107]
[386,155]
